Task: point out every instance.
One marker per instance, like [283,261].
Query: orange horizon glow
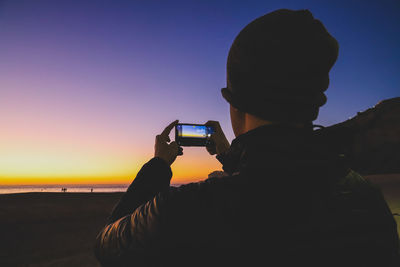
[8,181]
[62,166]
[84,181]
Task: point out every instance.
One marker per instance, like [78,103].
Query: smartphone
[187,134]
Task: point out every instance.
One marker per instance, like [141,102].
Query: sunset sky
[85,86]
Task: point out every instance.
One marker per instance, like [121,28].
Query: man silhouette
[287,197]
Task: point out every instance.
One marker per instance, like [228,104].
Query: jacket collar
[261,142]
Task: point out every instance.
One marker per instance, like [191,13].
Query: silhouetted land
[59,229]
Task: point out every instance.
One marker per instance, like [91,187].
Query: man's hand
[165,150]
[218,142]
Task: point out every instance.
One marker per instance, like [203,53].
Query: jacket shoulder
[355,192]
[353,180]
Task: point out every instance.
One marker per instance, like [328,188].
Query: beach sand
[59,229]
[52,229]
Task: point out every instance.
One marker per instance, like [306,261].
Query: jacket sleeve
[114,239]
[154,176]
[151,218]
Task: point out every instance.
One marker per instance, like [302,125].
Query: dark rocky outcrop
[371,139]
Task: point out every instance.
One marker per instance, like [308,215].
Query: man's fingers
[167,130]
[211,150]
[211,146]
[212,140]
[212,123]
[174,145]
[162,139]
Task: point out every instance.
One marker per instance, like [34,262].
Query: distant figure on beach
[286,197]
[64,189]
[91,190]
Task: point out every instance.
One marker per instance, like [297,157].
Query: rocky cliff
[371,139]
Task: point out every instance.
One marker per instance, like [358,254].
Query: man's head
[278,69]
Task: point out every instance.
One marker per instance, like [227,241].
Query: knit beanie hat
[278,67]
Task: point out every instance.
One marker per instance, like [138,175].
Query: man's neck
[252,122]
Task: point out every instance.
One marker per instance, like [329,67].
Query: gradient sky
[86,85]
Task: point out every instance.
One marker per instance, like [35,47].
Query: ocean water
[71,188]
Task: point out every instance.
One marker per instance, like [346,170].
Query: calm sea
[70,188]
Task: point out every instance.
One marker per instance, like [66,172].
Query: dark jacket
[289,199]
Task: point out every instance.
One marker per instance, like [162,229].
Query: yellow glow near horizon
[58,165]
[52,168]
